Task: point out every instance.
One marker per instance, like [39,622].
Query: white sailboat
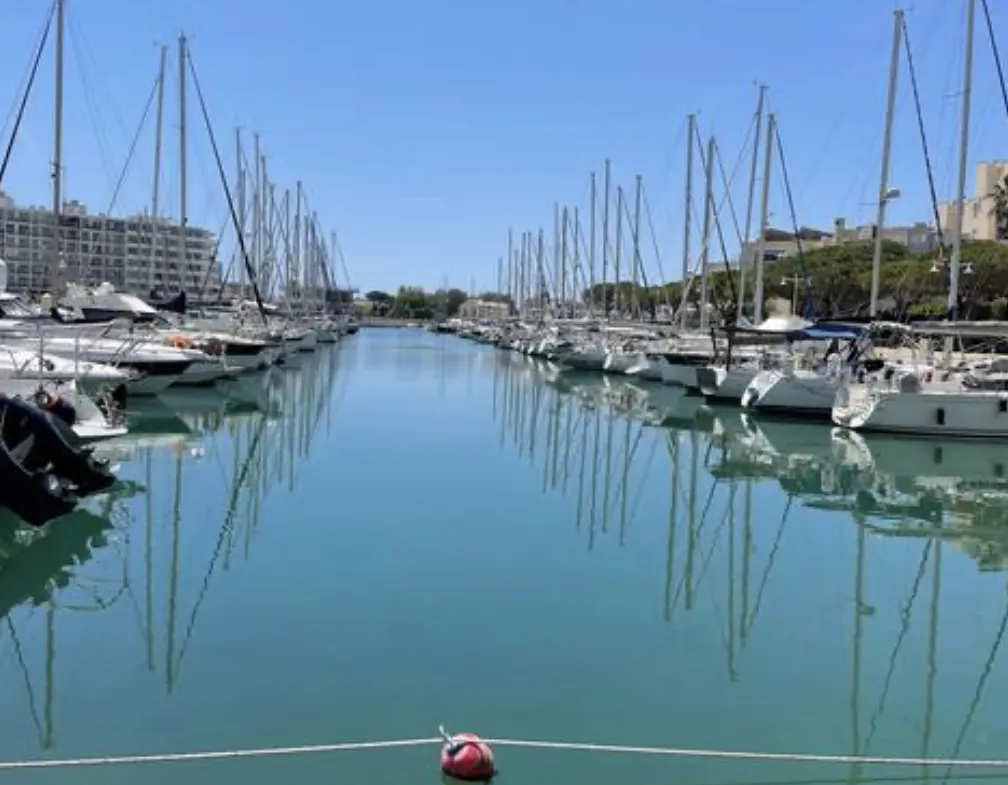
[938,402]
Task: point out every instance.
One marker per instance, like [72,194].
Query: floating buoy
[465,756]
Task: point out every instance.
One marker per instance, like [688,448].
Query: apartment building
[979,221]
[130,253]
[919,237]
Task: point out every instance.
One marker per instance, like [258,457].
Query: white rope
[177,757]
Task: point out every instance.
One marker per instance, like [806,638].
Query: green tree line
[836,280]
[415,302]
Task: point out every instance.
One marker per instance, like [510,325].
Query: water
[420,530]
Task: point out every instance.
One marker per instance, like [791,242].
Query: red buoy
[465,756]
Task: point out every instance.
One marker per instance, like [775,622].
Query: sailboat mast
[953,293]
[556,256]
[510,268]
[591,244]
[158,129]
[894,59]
[617,298]
[242,205]
[256,211]
[753,171]
[183,207]
[563,260]
[707,219]
[296,274]
[606,177]
[688,217]
[636,263]
[55,273]
[764,217]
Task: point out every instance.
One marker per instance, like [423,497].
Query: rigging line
[715,539]
[94,67]
[856,87]
[133,147]
[227,190]
[794,218]
[657,250]
[638,257]
[638,496]
[26,79]
[91,105]
[19,654]
[771,558]
[726,184]
[923,136]
[905,615]
[729,273]
[686,582]
[718,229]
[978,693]
[997,55]
[229,520]
[24,98]
[669,164]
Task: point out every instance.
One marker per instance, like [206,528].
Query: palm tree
[1000,209]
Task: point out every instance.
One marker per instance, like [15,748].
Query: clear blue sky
[422,131]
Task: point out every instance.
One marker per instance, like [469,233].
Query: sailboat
[934,402]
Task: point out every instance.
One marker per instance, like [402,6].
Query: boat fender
[465,756]
[56,406]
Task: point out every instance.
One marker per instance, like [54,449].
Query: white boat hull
[149,384]
[725,385]
[957,414]
[679,375]
[803,393]
[202,372]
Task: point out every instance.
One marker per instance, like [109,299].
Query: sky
[422,132]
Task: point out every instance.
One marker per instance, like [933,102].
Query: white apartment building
[130,253]
[979,221]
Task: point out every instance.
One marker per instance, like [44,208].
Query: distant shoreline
[383,321]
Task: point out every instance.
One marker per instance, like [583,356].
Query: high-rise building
[133,254]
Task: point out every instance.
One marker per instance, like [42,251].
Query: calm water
[414,530]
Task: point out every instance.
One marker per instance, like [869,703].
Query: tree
[381,302]
[1000,209]
[450,300]
[339,297]
[414,303]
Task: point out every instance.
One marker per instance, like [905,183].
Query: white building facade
[130,253]
[979,221]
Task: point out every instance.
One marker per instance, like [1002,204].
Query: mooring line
[676,752]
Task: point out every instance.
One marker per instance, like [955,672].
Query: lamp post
[793,280]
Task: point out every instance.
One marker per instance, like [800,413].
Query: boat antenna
[227,190]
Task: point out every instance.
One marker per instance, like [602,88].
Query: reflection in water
[889,487]
[90,561]
[718,583]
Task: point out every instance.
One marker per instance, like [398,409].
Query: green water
[413,530]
